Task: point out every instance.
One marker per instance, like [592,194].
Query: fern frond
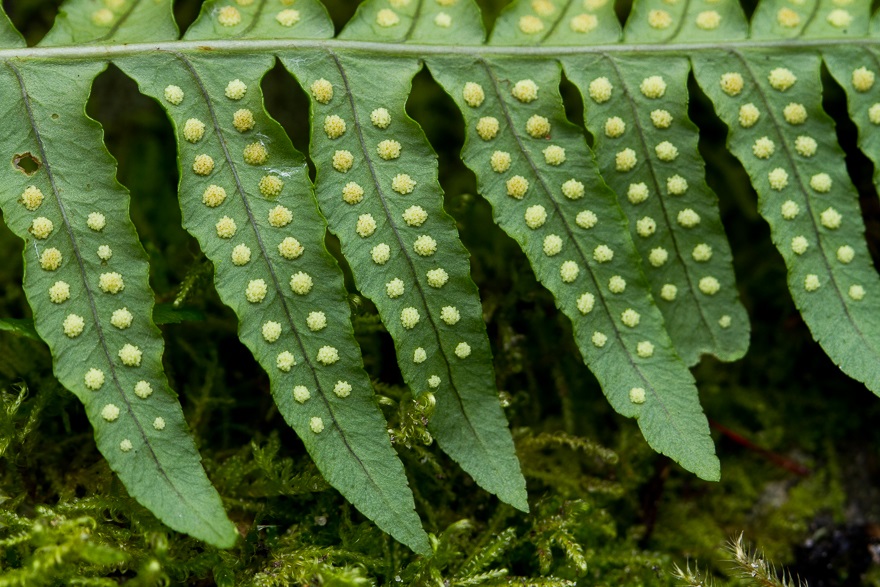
[442,344]
[383,201]
[245,196]
[84,269]
[536,171]
[673,215]
[627,236]
[789,148]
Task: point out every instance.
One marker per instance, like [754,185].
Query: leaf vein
[401,244]
[278,288]
[791,161]
[673,233]
[82,270]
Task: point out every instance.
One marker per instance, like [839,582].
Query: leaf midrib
[278,287]
[809,205]
[219,47]
[584,256]
[403,248]
[26,100]
[674,233]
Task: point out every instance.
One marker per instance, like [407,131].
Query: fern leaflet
[245,195]
[87,281]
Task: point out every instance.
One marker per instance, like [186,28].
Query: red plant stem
[788,464]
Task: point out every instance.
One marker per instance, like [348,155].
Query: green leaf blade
[91,304]
[299,331]
[806,196]
[397,236]
[263,19]
[116,21]
[543,22]
[849,66]
[420,21]
[652,385]
[817,19]
[667,180]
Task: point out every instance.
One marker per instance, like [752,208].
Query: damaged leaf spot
[26,163]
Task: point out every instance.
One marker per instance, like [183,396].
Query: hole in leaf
[32,19]
[26,163]
[443,124]
[185,12]
[623,8]
[724,173]
[749,7]
[491,10]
